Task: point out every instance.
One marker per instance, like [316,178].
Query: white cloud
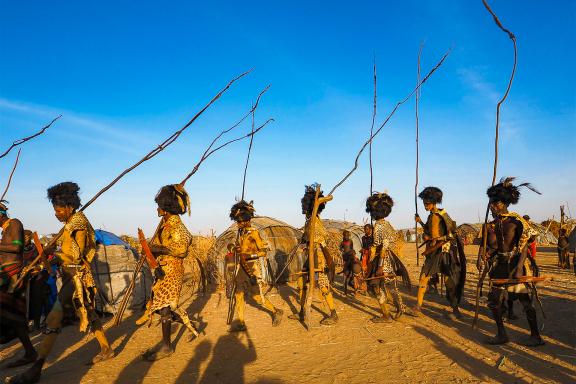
[95,131]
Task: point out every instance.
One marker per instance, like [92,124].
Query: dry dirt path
[430,349]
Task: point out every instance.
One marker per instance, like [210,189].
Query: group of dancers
[503,257]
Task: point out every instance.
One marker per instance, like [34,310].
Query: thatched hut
[113,268]
[281,238]
[335,229]
[545,236]
[468,233]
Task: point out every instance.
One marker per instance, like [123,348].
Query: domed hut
[468,233]
[282,239]
[544,236]
[113,268]
[335,229]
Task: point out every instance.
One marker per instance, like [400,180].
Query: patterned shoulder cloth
[385,235]
[527,230]
[174,236]
[448,222]
[255,240]
[70,248]
[320,234]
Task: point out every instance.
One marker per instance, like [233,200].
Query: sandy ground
[430,349]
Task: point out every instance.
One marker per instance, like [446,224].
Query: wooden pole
[10,177]
[496,136]
[417,155]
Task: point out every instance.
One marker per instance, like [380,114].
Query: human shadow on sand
[230,355]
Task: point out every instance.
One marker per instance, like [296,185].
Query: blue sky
[125,75]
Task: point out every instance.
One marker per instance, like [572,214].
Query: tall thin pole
[495,168]
[248,156]
[11,174]
[417,156]
[372,131]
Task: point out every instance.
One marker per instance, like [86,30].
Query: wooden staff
[237,266]
[372,133]
[504,97]
[144,257]
[311,266]
[209,151]
[25,139]
[248,156]
[311,252]
[11,174]
[521,280]
[166,142]
[398,104]
[417,156]
[147,157]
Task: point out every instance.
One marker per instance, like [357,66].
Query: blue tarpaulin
[108,238]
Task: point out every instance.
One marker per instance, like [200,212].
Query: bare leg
[422,286]
[495,301]
[534,340]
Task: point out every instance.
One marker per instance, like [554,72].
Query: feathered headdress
[242,211]
[173,199]
[431,195]
[506,192]
[379,205]
[65,195]
[308,199]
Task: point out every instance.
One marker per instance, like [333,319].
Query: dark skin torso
[504,235]
[14,232]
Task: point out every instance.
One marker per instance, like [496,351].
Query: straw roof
[281,238]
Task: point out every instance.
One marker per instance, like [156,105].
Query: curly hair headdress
[308,199]
[379,205]
[173,199]
[242,211]
[431,195]
[64,195]
[506,192]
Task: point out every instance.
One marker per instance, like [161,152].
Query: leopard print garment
[70,251]
[173,235]
[385,237]
[320,237]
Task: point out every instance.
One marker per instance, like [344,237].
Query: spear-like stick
[248,156]
[372,131]
[369,141]
[147,157]
[209,151]
[207,154]
[496,136]
[25,139]
[11,174]
[417,155]
[166,142]
[388,119]
[232,301]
